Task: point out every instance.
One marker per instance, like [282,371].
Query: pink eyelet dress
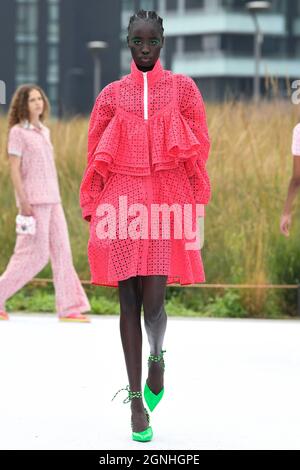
[148,144]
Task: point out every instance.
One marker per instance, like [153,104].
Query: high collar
[152,76]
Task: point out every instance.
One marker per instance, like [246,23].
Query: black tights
[134,292]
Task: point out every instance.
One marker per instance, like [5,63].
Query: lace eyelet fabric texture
[160,160]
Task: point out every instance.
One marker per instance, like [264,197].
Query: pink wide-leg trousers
[32,253]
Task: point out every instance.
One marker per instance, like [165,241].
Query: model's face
[145,42]
[35,104]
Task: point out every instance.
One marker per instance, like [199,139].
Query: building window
[26,18]
[53,61]
[172,5]
[133,5]
[148,4]
[234,5]
[279,6]
[128,5]
[194,4]
[274,46]
[211,43]
[26,41]
[26,66]
[52,92]
[53,19]
[53,54]
[233,45]
[193,43]
[242,45]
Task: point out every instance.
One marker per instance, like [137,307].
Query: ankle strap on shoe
[131,394]
[158,358]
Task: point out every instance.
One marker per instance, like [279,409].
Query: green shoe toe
[151,398]
[143,436]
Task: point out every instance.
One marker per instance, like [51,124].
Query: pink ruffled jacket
[144,123]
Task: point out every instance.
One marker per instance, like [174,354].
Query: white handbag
[25,224]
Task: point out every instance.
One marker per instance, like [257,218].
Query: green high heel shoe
[152,399]
[147,434]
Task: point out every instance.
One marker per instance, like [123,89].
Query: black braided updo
[147,16]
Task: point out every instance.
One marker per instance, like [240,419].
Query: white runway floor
[229,384]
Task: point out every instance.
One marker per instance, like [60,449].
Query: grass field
[250,165]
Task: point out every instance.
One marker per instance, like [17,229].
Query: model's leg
[131,336]
[155,319]
[70,296]
[31,254]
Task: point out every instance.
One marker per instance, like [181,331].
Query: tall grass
[250,165]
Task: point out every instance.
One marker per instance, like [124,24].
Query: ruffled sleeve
[92,181]
[193,110]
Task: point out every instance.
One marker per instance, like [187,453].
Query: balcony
[297,27]
[219,65]
[201,22]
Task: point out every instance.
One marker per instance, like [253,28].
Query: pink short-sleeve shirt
[296,140]
[38,171]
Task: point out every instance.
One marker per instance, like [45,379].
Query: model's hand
[25,208]
[285,223]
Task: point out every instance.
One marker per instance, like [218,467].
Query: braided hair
[147,16]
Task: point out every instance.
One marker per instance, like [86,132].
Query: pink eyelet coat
[148,144]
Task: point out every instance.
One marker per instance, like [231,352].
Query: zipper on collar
[145,96]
